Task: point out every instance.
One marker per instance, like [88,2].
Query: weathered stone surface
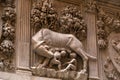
[93,65]
[81,76]
[23,34]
[66,75]
[72,75]
[11,76]
[62,75]
[42,72]
[51,73]
[97,39]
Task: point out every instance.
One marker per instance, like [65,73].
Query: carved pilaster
[23,35]
[92,38]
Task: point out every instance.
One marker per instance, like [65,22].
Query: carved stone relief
[61,58]
[112,66]
[58,33]
[7,36]
[44,39]
[57,61]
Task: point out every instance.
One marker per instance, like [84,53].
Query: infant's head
[73,55]
[63,53]
[57,55]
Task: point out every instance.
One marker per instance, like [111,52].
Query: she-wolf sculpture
[59,40]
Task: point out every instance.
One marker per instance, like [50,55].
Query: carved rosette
[7,48]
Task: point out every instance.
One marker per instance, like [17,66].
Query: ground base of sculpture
[51,73]
[16,76]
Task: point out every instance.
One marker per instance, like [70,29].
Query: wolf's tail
[89,56]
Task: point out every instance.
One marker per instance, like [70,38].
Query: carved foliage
[102,34]
[116,24]
[71,21]
[7,37]
[91,5]
[105,25]
[7,3]
[43,15]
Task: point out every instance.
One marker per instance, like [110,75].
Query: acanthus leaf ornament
[91,6]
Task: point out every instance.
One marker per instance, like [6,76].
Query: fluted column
[92,45]
[23,34]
